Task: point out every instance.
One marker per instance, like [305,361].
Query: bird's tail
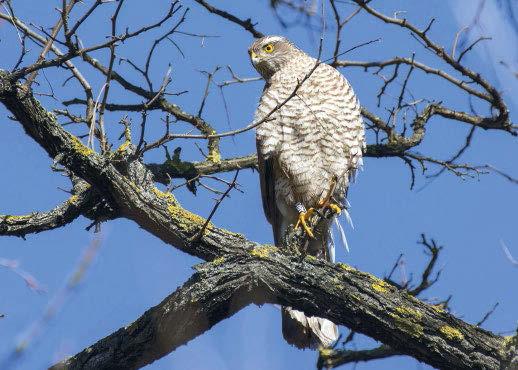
[297,328]
[307,332]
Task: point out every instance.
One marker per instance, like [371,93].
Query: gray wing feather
[267,181]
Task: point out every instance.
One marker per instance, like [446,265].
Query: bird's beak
[253,56]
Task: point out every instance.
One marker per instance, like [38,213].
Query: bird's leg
[304,217]
[326,202]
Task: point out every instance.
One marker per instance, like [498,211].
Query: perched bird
[310,139]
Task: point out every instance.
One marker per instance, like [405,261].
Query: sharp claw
[303,217]
[335,208]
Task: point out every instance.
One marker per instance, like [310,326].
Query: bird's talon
[302,221]
[335,208]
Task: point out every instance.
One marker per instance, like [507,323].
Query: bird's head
[270,53]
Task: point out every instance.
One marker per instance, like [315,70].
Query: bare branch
[246,24]
[331,358]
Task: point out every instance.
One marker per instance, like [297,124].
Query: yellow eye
[268,48]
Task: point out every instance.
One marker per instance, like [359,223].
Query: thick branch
[204,300]
[36,222]
[170,169]
[350,297]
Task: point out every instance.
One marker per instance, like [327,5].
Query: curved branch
[330,359]
[350,297]
[203,301]
[36,222]
[246,24]
[421,66]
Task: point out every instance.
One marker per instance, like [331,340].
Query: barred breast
[316,135]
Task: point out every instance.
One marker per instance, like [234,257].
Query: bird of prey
[310,140]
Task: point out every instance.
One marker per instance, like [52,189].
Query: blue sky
[134,271]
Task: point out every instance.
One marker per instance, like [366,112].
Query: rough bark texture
[242,272]
[350,297]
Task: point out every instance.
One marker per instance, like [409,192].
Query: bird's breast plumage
[314,136]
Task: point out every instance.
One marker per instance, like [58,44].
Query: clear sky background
[134,271]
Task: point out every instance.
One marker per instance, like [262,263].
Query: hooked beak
[253,57]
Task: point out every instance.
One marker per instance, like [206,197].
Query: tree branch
[246,24]
[37,222]
[350,297]
[208,297]
[330,358]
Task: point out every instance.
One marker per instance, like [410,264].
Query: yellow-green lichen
[73,199]
[187,220]
[408,320]
[379,285]
[451,333]
[509,346]
[326,352]
[218,261]
[134,186]
[214,156]
[168,197]
[337,283]
[408,325]
[356,297]
[409,312]
[439,308]
[263,252]
[344,267]
[12,218]
[507,340]
[121,149]
[78,147]
[310,257]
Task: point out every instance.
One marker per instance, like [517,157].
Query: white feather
[347,216]
[331,246]
[342,234]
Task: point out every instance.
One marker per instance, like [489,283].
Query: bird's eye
[268,48]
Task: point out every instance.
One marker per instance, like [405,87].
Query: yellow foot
[333,207]
[304,217]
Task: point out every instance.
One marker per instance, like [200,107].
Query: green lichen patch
[218,261]
[186,220]
[408,320]
[11,219]
[379,285]
[73,199]
[214,156]
[326,352]
[409,312]
[439,308]
[345,267]
[122,148]
[79,148]
[263,252]
[451,333]
[510,348]
[168,197]
[408,325]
